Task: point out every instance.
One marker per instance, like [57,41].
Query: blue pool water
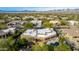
[55,44]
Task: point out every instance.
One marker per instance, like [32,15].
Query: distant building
[2,33]
[16,23]
[5,32]
[25,17]
[72,22]
[16,18]
[36,22]
[9,30]
[55,22]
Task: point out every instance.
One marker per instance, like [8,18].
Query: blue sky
[31,8]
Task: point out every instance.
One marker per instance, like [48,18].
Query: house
[74,43]
[25,17]
[2,33]
[73,32]
[72,22]
[16,23]
[39,33]
[55,22]
[23,22]
[9,30]
[16,18]
[72,37]
[36,22]
[49,18]
[12,30]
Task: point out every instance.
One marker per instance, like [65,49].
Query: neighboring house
[49,18]
[25,17]
[73,32]
[55,22]
[63,17]
[2,33]
[23,22]
[16,23]
[36,22]
[72,22]
[39,33]
[11,24]
[42,17]
[74,43]
[9,30]
[6,31]
[16,18]
[12,30]
[72,36]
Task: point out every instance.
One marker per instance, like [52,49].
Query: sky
[33,8]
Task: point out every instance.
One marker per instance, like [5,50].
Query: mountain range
[49,10]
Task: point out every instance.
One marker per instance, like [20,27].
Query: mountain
[54,10]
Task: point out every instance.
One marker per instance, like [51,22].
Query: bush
[63,22]
[50,47]
[3,26]
[28,25]
[39,48]
[47,25]
[62,47]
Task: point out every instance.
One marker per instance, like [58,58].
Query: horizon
[35,8]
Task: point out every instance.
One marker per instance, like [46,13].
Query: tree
[62,47]
[40,48]
[10,41]
[63,22]
[44,47]
[28,25]
[7,44]
[22,43]
[3,26]
[50,47]
[47,25]
[29,19]
[61,39]
[3,45]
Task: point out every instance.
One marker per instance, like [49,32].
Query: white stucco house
[54,22]
[39,33]
[12,30]
[38,23]
[5,32]
[73,22]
